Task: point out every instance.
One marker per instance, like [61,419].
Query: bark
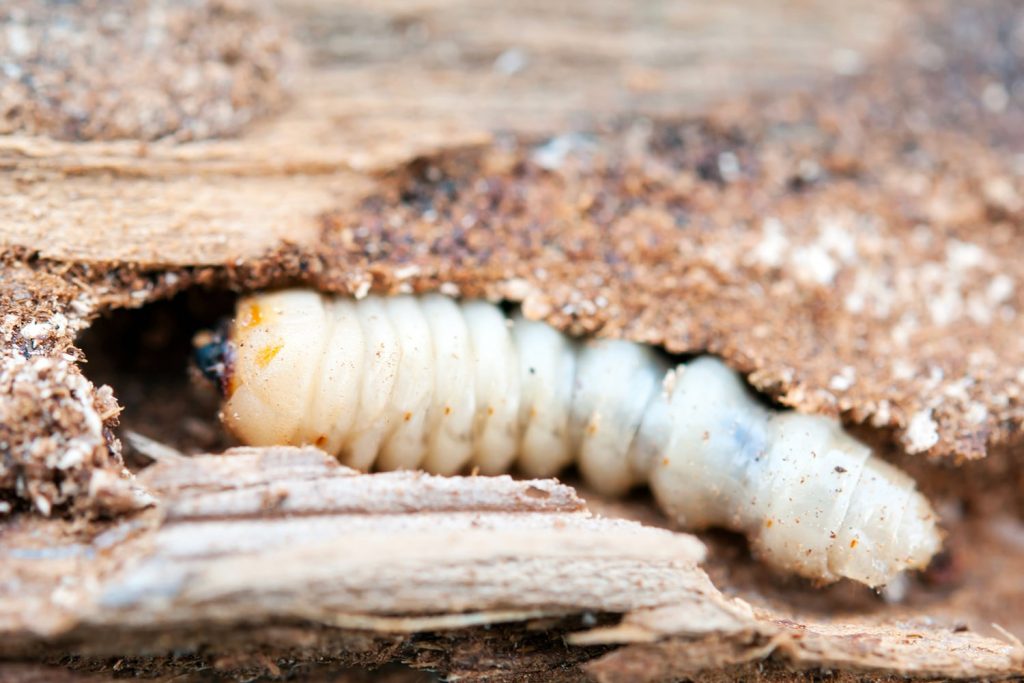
[827,197]
[260,557]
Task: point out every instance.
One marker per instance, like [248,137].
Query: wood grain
[260,562]
[254,540]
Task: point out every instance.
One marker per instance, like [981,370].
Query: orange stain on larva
[407,417]
[253,316]
[266,354]
[768,523]
[447,410]
[853,543]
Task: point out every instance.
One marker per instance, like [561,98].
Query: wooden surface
[558,156]
[387,82]
[254,540]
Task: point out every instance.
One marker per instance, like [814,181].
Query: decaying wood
[836,261]
[374,99]
[141,69]
[258,542]
[848,238]
[332,545]
[922,650]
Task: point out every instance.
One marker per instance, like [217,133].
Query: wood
[243,544]
[592,157]
[367,103]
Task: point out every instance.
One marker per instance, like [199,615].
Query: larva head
[214,357]
[264,362]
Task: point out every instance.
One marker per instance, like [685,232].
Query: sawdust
[139,69]
[55,425]
[853,248]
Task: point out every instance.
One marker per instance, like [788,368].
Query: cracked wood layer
[393,81]
[722,228]
[283,550]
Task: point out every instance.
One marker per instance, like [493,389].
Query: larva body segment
[450,419]
[406,446]
[428,382]
[615,382]
[335,385]
[381,357]
[497,383]
[547,371]
[261,412]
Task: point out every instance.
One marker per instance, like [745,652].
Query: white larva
[429,382]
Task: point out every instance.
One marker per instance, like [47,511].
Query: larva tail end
[919,536]
[918,541]
[884,545]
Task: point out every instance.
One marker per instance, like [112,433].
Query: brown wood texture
[823,194]
[388,82]
[358,568]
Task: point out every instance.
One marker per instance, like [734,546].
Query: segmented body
[429,382]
